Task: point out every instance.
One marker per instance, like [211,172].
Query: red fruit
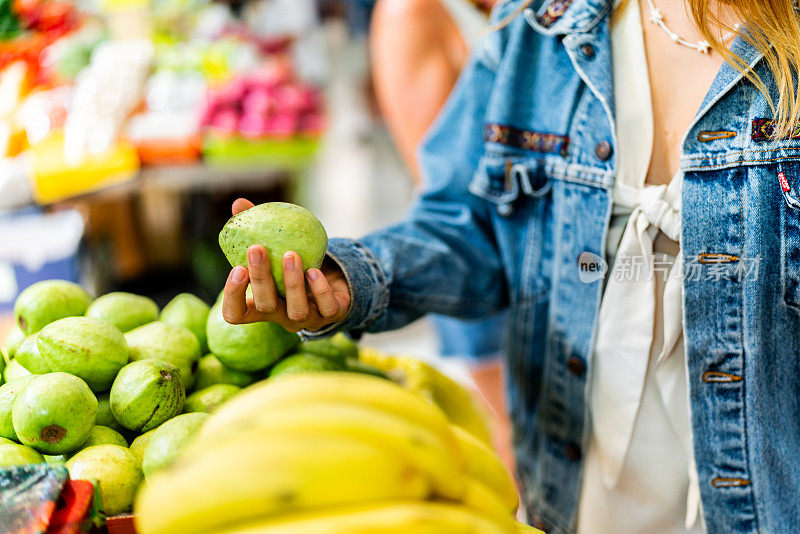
[253,126]
[283,125]
[225,121]
[258,102]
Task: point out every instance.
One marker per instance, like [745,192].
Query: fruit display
[116,471]
[209,399]
[89,348]
[345,452]
[190,312]
[126,311]
[146,393]
[168,440]
[271,433]
[47,301]
[247,348]
[279,227]
[54,413]
[166,342]
[266,104]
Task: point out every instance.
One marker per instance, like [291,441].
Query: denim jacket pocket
[501,179]
[789,182]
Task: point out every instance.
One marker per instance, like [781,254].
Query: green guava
[104,415]
[47,301]
[169,440]
[190,312]
[126,311]
[146,393]
[8,396]
[247,347]
[357,366]
[304,363]
[2,366]
[14,371]
[29,357]
[280,227]
[55,413]
[116,471]
[56,459]
[89,348]
[170,343]
[209,399]
[211,371]
[14,338]
[139,444]
[12,454]
[102,435]
[5,441]
[338,348]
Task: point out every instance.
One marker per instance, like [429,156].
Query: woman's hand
[327,302]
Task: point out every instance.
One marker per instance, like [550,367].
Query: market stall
[125,109]
[109,407]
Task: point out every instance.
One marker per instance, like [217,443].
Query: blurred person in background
[418,49]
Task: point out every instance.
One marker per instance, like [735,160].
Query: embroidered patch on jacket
[764,130]
[554,11]
[546,143]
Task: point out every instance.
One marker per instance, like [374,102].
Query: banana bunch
[461,407]
[330,453]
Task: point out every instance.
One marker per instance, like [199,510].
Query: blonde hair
[773,28]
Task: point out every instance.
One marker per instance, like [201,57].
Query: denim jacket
[520,167]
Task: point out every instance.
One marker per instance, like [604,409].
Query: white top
[639,474]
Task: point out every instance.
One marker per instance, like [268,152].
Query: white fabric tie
[621,361]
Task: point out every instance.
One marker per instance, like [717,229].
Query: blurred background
[128,127]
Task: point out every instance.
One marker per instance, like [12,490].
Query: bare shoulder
[423,13]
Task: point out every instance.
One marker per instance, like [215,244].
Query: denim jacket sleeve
[442,258]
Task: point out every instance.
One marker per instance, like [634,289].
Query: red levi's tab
[784,182]
[788,193]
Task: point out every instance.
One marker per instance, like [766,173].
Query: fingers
[234,299]
[327,304]
[297,308]
[294,312]
[240,205]
[265,296]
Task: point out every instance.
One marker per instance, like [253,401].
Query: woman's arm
[442,258]
[417,55]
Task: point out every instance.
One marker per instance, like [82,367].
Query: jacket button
[572,452]
[505,210]
[576,366]
[603,150]
[588,50]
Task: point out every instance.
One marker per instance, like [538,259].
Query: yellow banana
[459,405]
[383,518]
[245,480]
[483,464]
[522,528]
[415,444]
[344,388]
[481,498]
